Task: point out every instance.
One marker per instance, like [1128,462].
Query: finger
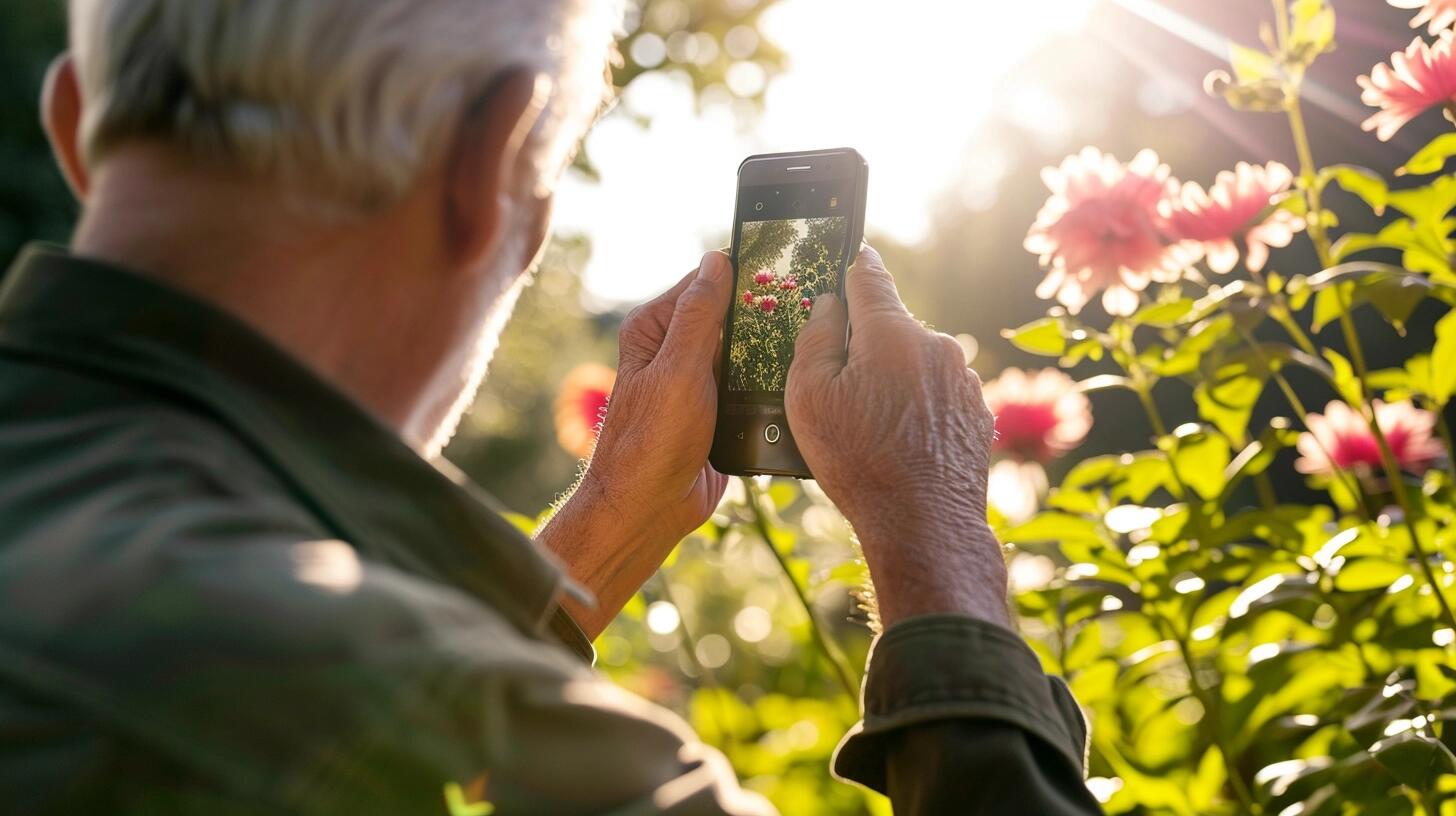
[872,293]
[697,318]
[819,353]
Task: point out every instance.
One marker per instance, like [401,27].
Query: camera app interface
[783,265]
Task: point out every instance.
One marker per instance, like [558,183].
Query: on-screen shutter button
[771,434]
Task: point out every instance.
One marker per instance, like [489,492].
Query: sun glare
[908,84]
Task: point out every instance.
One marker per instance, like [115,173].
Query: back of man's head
[352,99]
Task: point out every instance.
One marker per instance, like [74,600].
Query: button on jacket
[225,588]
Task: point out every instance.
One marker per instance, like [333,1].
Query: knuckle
[632,323]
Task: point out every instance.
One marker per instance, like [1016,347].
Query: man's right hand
[897,433]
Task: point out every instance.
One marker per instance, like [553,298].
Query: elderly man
[234,576]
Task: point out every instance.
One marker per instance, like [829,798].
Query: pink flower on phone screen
[790,283]
[806,304]
[1039,414]
[748,298]
[768,303]
[763,278]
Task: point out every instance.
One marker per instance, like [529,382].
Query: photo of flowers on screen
[782,266]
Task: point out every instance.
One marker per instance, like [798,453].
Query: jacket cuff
[943,667]
[565,630]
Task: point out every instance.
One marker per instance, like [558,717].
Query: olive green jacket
[225,588]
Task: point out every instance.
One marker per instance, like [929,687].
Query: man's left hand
[649,483]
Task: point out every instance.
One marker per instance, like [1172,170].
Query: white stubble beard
[472,374]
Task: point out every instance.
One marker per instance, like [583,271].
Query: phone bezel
[781,170]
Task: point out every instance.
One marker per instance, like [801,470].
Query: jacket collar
[356,475]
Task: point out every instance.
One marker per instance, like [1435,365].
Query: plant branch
[1315,226]
[827,647]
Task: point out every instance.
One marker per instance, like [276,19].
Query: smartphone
[798,225]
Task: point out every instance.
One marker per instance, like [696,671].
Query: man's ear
[489,168]
[60,106]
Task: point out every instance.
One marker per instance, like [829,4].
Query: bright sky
[906,83]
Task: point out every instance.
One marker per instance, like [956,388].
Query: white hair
[356,98]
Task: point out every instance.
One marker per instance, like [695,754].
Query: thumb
[819,353]
[697,318]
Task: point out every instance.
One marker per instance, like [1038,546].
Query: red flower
[1040,415]
[806,304]
[748,298]
[768,303]
[763,278]
[789,283]
[580,406]
[1340,436]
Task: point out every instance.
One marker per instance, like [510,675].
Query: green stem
[1213,708]
[1317,234]
[827,647]
[1351,482]
[1444,430]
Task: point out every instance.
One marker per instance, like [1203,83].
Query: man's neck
[343,295]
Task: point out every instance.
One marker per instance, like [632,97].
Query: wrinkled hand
[897,433]
[648,483]
[653,448]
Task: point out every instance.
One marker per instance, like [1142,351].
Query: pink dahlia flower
[1211,221]
[1340,436]
[768,303]
[749,298]
[806,304]
[789,283]
[763,278]
[1101,230]
[1417,79]
[1439,13]
[1039,414]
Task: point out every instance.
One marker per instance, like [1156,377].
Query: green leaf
[1328,307]
[1252,65]
[1257,456]
[1046,336]
[1141,474]
[1367,184]
[1364,574]
[1414,758]
[1200,458]
[1163,315]
[1311,32]
[1432,158]
[782,493]
[1053,526]
[1443,360]
[1343,377]
[1229,401]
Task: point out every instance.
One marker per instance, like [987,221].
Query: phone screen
[783,264]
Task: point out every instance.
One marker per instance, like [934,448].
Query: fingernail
[712,266]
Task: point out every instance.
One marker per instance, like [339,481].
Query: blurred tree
[763,243]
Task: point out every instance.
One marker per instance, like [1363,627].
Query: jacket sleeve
[960,718]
